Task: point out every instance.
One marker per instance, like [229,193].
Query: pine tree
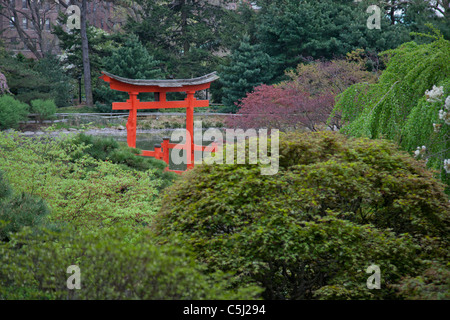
[129,61]
[186,34]
[133,61]
[289,30]
[248,68]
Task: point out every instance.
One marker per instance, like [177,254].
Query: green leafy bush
[86,192]
[5,188]
[109,149]
[20,211]
[43,108]
[113,264]
[12,112]
[433,284]
[335,207]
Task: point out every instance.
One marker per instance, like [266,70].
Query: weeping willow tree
[408,103]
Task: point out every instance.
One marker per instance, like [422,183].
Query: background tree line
[248,46]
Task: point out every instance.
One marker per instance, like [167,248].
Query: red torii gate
[160,87]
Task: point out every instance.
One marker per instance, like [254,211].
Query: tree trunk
[85,54]
[186,44]
[392,13]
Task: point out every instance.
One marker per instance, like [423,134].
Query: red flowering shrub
[282,107]
[305,101]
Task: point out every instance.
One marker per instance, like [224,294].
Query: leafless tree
[31,18]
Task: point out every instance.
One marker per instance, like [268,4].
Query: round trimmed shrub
[12,111]
[335,207]
[44,109]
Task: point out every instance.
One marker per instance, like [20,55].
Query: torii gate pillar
[132,120]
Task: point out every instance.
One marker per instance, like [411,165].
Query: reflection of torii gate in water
[160,88]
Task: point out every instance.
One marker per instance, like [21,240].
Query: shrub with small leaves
[335,207]
[113,264]
[20,211]
[432,284]
[44,109]
[81,190]
[12,112]
[5,189]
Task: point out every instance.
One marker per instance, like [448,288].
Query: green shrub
[309,232]
[11,112]
[43,108]
[114,264]
[5,189]
[103,108]
[20,211]
[109,149]
[80,190]
[98,148]
[433,284]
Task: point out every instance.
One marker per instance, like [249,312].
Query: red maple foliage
[282,107]
[305,101]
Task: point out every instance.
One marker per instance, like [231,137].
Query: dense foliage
[305,101]
[12,111]
[19,211]
[336,207]
[397,106]
[29,80]
[79,188]
[248,68]
[132,61]
[110,204]
[114,264]
[108,149]
[44,109]
[186,35]
[321,29]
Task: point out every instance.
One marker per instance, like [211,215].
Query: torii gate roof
[162,83]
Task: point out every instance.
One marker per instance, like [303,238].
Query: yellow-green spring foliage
[79,188]
[397,106]
[335,207]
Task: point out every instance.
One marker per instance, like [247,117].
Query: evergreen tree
[288,30]
[101,44]
[28,79]
[186,35]
[62,85]
[133,61]
[129,61]
[248,68]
